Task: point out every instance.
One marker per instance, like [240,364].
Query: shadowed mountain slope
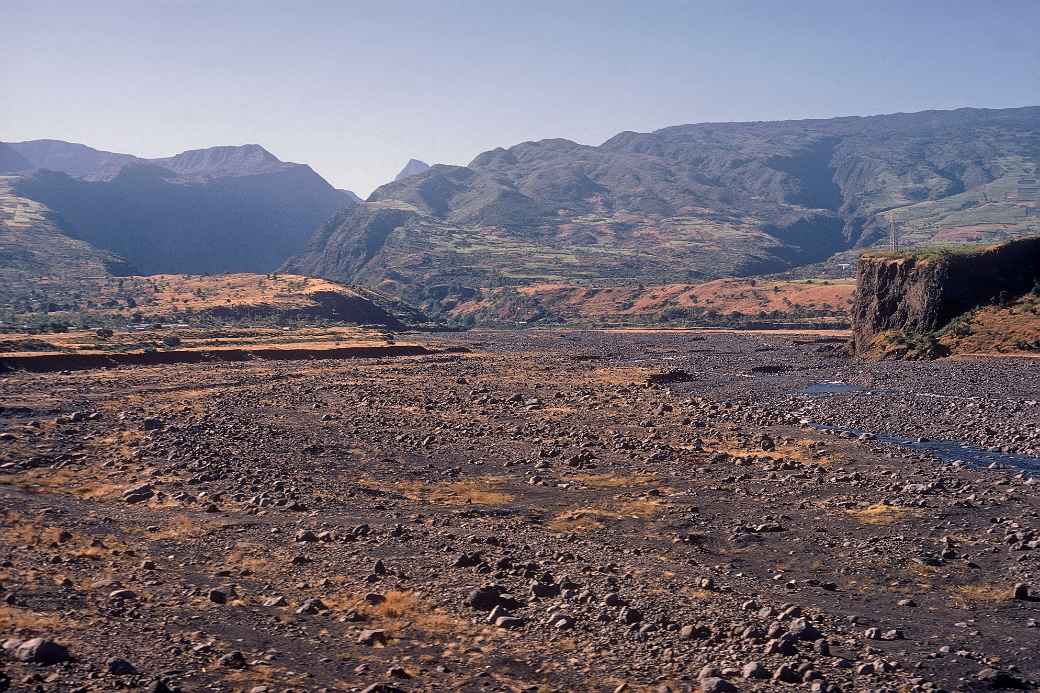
[222,209]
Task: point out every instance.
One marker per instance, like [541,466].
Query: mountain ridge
[688,203]
[192,165]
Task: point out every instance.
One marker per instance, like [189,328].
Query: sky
[355,89]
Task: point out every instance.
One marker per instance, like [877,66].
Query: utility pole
[893,235]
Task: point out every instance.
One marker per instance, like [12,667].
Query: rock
[784,645]
[120,667]
[158,686]
[630,615]
[509,622]
[467,560]
[486,598]
[41,651]
[152,423]
[694,632]
[715,684]
[217,597]
[754,670]
[275,601]
[233,660]
[999,679]
[398,673]
[803,630]
[785,674]
[311,606]
[709,671]
[544,591]
[562,621]
[1021,591]
[121,595]
[138,494]
[372,637]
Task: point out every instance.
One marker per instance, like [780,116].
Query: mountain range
[686,204]
[677,206]
[221,209]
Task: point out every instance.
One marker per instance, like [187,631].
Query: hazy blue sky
[355,89]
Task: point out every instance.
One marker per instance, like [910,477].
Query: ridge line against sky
[356,89]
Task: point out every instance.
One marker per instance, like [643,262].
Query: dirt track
[338,524]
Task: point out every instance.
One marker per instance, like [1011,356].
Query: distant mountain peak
[224,161]
[413,168]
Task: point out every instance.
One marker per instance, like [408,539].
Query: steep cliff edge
[904,299]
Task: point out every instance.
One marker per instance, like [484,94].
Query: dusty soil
[335,525]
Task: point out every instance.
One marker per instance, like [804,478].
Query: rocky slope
[686,203]
[916,293]
[223,209]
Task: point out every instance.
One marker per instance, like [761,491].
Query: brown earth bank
[160,337]
[722,300]
[219,298]
[48,363]
[558,510]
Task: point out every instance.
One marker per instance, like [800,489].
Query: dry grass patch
[581,519]
[123,443]
[183,527]
[263,673]
[620,375]
[881,514]
[471,491]
[15,619]
[253,557]
[642,508]
[400,610]
[29,534]
[980,594]
[60,481]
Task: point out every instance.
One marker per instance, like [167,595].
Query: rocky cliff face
[920,293]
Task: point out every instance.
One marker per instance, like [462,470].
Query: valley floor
[556,510]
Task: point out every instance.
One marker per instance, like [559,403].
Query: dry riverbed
[606,511]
